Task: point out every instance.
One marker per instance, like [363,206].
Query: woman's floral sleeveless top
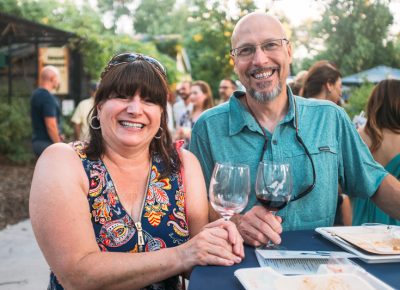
[163,222]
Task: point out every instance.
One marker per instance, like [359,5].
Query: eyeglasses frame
[130,57]
[233,51]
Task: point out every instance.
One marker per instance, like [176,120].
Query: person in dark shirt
[45,111]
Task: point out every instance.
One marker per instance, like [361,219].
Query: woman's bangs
[141,77]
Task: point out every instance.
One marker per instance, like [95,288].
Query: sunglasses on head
[129,57]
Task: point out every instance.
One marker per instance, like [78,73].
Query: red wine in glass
[272,204]
[273,187]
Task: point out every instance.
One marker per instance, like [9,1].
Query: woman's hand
[218,243]
[234,236]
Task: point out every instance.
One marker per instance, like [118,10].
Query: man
[261,124]
[226,89]
[182,106]
[80,117]
[45,111]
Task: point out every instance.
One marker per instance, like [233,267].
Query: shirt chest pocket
[323,156]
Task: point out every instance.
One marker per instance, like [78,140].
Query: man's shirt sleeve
[359,174]
[200,147]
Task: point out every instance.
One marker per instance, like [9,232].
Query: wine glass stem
[271,244]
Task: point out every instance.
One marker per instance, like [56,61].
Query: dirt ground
[15,182]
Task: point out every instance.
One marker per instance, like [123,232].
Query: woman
[146,198]
[382,135]
[323,81]
[201,98]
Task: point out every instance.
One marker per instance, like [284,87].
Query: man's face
[225,90]
[264,72]
[184,90]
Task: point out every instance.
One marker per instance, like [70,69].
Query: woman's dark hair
[126,79]
[383,111]
[318,75]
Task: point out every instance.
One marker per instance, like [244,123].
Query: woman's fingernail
[238,259]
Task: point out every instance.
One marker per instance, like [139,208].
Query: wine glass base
[272,246]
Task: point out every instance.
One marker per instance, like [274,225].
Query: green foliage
[15,130]
[205,26]
[355,35]
[207,39]
[67,128]
[94,41]
[358,99]
[157,17]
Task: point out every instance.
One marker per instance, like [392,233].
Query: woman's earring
[91,123]
[161,132]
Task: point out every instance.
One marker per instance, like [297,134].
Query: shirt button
[274,142]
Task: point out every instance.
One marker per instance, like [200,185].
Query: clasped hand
[258,226]
[218,243]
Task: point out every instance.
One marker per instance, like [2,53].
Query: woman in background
[323,81]
[201,98]
[382,135]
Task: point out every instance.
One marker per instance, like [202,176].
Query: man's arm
[52,129]
[387,197]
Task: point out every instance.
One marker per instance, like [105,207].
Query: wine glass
[273,187]
[229,188]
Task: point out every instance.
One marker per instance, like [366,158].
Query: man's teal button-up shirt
[229,133]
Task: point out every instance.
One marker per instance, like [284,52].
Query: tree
[355,34]
[158,17]
[95,42]
[207,39]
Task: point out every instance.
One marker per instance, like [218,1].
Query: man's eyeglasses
[248,51]
[129,57]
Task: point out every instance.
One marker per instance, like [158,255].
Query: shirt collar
[239,117]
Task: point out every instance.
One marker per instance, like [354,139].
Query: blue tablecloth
[221,278]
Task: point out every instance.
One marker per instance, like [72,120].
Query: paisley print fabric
[163,219]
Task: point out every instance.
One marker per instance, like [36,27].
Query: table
[220,278]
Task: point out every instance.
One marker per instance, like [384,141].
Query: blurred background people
[382,135]
[201,98]
[45,111]
[81,115]
[323,81]
[182,105]
[226,89]
[298,82]
[129,209]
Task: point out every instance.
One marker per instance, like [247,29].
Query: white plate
[267,279]
[328,233]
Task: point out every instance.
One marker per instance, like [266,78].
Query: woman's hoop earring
[91,123]
[159,137]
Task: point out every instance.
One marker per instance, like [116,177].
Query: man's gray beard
[265,97]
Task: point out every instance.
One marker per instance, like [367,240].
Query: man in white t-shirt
[80,117]
[184,105]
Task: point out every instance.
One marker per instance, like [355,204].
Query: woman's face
[197,97]
[129,121]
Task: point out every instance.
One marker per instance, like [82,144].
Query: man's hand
[258,226]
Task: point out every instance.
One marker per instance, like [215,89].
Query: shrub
[15,130]
[358,99]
